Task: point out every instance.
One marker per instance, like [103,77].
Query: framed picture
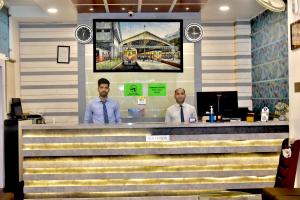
[63,54]
[139,45]
[295,35]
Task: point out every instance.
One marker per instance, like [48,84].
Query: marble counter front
[151,159]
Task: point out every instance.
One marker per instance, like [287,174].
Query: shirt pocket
[97,110]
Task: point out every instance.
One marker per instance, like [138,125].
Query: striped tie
[105,115]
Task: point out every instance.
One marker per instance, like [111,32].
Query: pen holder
[250,117]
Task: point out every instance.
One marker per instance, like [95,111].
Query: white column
[2,111]
[14,54]
[294,98]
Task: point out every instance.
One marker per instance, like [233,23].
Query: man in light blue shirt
[103,110]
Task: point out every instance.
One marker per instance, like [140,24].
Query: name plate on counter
[157,138]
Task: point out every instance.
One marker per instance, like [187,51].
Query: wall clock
[193,32]
[83,34]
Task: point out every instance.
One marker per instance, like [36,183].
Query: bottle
[219,117]
[211,115]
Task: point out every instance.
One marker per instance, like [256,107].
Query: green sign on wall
[133,89]
[157,89]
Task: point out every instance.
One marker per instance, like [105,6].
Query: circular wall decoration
[193,32]
[83,33]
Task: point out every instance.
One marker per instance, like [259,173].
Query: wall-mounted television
[137,45]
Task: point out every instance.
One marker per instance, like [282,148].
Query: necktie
[181,114]
[105,113]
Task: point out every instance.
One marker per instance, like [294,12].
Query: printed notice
[157,89]
[63,54]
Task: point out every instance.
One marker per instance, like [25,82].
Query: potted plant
[281,110]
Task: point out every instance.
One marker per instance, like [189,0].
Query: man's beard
[103,94]
[180,102]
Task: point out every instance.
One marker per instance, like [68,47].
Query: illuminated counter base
[90,161]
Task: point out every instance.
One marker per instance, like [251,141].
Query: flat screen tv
[137,45]
[224,102]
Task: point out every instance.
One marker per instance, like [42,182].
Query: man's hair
[179,89]
[103,81]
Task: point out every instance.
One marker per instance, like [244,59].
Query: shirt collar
[99,100]
[183,105]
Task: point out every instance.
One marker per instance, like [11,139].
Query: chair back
[287,167]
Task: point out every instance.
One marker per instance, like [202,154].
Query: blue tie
[105,113]
[181,114]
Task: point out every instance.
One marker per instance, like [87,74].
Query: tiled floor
[219,195]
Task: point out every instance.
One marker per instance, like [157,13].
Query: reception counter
[144,160]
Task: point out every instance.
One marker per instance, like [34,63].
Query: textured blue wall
[269,59]
[4,34]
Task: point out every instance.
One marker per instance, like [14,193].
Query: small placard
[157,138]
[133,89]
[265,114]
[157,89]
[192,120]
[142,100]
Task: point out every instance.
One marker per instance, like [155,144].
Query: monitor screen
[225,102]
[137,45]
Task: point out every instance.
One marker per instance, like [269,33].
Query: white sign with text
[157,138]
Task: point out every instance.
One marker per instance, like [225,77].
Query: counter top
[153,125]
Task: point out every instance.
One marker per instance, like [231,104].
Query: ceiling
[20,2]
[239,10]
[36,10]
[123,6]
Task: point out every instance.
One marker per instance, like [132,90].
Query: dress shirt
[173,113]
[94,111]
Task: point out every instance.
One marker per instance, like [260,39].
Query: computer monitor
[16,108]
[225,102]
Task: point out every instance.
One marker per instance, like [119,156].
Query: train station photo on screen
[135,45]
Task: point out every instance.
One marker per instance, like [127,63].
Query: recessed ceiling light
[156,8]
[123,8]
[91,9]
[187,8]
[52,10]
[224,8]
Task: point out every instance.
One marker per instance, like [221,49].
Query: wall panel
[156,106]
[48,87]
[226,59]
[270,59]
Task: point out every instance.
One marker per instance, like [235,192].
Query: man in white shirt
[181,112]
